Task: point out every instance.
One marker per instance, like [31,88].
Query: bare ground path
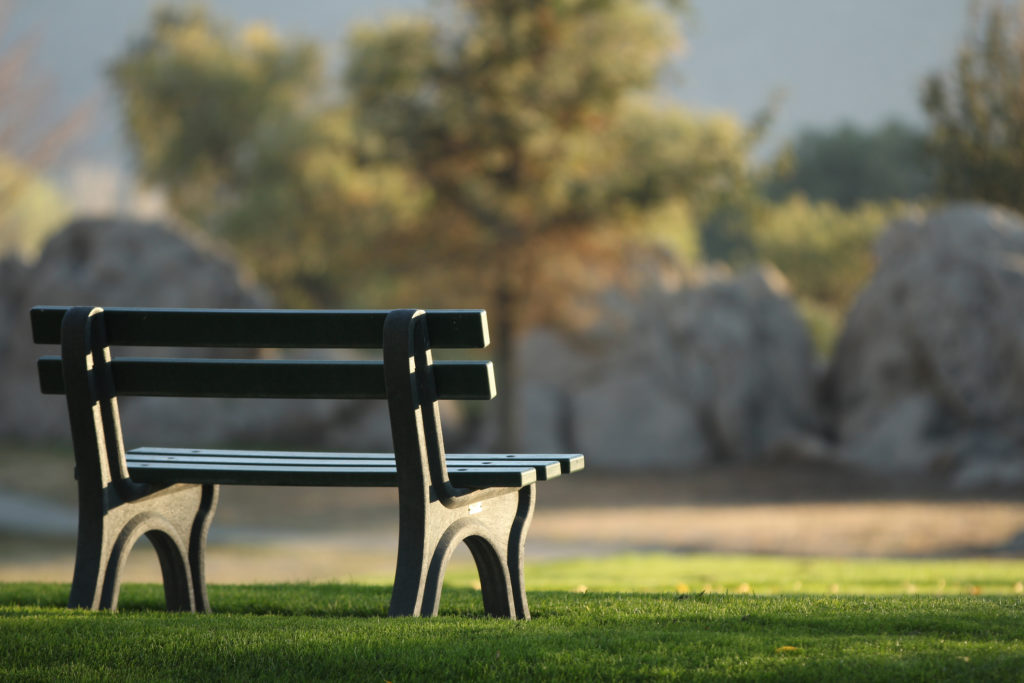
[292,534]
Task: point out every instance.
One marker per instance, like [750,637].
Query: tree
[826,253]
[848,165]
[528,124]
[238,129]
[196,99]
[494,158]
[30,209]
[976,111]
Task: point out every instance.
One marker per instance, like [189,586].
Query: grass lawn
[630,617]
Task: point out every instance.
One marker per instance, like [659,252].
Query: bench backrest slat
[253,328]
[272,378]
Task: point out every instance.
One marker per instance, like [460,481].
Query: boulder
[928,373]
[710,368]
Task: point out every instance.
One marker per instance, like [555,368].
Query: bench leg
[517,549]
[495,532]
[175,519]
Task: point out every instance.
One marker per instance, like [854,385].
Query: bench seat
[297,468]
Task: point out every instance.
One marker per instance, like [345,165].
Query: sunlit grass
[772,575]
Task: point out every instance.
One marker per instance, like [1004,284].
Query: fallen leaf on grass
[788,649]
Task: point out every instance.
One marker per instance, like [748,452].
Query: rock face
[928,375]
[127,263]
[720,369]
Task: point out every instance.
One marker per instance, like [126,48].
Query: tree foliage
[825,251]
[527,124]
[848,165]
[197,100]
[30,209]
[238,128]
[480,159]
[976,110]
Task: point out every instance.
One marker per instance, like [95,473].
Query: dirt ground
[291,534]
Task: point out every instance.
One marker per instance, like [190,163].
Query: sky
[830,61]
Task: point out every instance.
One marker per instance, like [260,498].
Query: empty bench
[170,494]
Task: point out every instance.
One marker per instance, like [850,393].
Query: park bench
[170,494]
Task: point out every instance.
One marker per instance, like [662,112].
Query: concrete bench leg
[175,520]
[494,529]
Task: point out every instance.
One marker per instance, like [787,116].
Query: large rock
[714,368]
[928,374]
[127,263]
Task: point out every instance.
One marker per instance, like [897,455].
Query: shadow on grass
[291,599]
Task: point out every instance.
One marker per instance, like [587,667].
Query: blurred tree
[196,99]
[826,252]
[497,157]
[239,131]
[848,165]
[31,209]
[976,110]
[525,120]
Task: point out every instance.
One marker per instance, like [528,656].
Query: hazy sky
[833,60]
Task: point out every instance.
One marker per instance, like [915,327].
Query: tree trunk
[506,311]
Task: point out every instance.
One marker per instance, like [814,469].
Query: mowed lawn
[629,617]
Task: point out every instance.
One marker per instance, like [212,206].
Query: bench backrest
[257,329]
[91,375]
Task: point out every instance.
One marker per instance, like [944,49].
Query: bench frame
[115,510]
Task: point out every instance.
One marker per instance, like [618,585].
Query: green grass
[338,631]
[773,575]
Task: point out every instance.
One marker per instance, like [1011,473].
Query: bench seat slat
[255,475]
[255,328]
[568,463]
[544,470]
[547,467]
[317,475]
[215,378]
